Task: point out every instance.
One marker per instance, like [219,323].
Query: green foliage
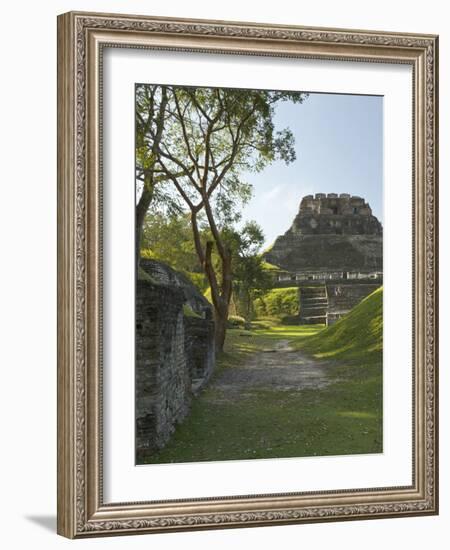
[198,279]
[168,238]
[147,254]
[235,321]
[278,302]
[207,136]
[270,267]
[207,295]
[250,279]
[200,141]
[358,335]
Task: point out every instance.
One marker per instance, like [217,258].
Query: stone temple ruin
[333,252]
[175,352]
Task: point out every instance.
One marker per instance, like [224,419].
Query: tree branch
[179,188]
[184,132]
[167,155]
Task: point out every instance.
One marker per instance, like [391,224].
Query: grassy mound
[358,335]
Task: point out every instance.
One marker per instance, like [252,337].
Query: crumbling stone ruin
[175,352]
[332,237]
[333,251]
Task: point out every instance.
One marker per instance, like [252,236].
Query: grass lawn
[345,417]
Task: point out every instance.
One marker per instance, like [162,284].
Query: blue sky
[339,146]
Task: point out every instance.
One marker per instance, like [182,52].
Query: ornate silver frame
[81,510]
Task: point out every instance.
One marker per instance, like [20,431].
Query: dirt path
[277,368]
[267,400]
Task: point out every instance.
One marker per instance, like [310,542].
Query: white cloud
[274,209]
[272,193]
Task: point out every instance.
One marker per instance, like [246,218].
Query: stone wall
[175,353]
[163,384]
[166,275]
[199,350]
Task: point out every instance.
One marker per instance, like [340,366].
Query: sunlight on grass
[357,336]
[274,328]
[343,417]
[286,332]
[356,414]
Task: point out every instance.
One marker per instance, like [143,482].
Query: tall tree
[250,278]
[209,137]
[151,106]
[151,102]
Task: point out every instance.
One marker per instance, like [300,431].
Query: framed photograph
[247,274]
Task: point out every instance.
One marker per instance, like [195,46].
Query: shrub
[235,321]
[278,302]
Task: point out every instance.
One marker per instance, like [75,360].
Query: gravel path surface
[278,368]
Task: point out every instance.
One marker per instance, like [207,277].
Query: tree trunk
[141,210]
[221,295]
[221,312]
[220,330]
[248,310]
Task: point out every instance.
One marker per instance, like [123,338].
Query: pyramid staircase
[313,305]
